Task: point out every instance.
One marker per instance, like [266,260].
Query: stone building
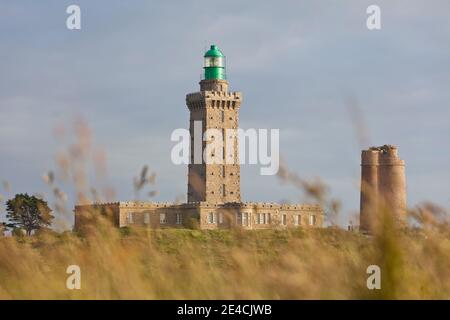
[383,186]
[213,191]
[247,215]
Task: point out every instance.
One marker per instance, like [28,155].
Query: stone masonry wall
[216,109]
[208,216]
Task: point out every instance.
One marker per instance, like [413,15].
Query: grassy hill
[226,264]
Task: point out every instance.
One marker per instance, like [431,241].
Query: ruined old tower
[383,186]
[214,107]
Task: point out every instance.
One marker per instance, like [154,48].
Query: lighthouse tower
[214,107]
[213,192]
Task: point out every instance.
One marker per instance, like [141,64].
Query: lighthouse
[213,188]
[214,107]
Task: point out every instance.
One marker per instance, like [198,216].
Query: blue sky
[299,64]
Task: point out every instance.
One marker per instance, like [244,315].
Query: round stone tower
[383,186]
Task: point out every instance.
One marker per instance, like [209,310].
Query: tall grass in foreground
[227,264]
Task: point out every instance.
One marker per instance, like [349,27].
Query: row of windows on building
[162,218]
[243,218]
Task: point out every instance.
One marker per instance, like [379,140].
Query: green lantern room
[214,64]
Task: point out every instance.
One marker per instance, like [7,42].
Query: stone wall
[260,216]
[156,215]
[88,214]
[208,216]
[216,108]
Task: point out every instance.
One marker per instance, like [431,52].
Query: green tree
[28,213]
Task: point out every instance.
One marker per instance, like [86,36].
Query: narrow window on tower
[223,116]
[224,156]
[223,171]
[223,190]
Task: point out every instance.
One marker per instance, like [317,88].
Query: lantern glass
[214,62]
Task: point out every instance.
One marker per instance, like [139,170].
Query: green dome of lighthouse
[214,51]
[214,64]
